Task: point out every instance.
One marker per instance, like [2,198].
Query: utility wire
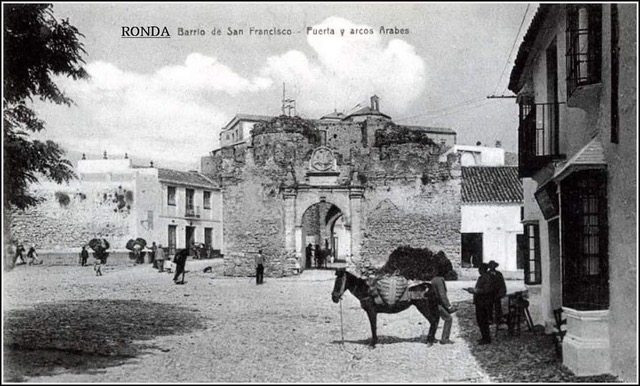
[512,47]
[411,117]
[448,110]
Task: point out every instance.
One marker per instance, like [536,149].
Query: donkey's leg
[432,316]
[371,313]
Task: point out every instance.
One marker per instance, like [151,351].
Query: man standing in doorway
[259,267]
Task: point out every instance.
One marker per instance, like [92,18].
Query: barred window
[585,241]
[532,266]
[584,45]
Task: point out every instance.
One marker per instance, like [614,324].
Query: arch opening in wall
[324,229]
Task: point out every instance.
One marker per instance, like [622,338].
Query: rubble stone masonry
[409,197]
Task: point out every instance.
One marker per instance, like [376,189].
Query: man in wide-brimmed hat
[501,290]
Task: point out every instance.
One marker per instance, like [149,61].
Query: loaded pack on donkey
[403,281]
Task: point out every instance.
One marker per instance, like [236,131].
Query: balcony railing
[538,137]
[192,211]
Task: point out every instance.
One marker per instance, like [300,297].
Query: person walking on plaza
[483,298]
[97,265]
[180,259]
[154,248]
[160,258]
[84,255]
[445,308]
[501,290]
[19,255]
[259,267]
[308,252]
[33,256]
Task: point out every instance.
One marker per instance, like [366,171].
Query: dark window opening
[471,250]
[171,195]
[206,204]
[615,71]
[521,251]
[584,45]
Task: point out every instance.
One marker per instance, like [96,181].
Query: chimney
[104,155]
[84,156]
[151,163]
[126,156]
[375,103]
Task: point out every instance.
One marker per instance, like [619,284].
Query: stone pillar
[356,194]
[289,196]
[298,242]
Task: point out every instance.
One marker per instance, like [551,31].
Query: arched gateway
[344,203]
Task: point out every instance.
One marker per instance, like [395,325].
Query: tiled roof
[439,130]
[367,111]
[186,178]
[590,156]
[247,117]
[491,184]
[526,47]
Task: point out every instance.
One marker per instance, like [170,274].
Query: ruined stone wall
[410,197]
[72,215]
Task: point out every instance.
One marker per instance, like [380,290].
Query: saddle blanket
[392,289]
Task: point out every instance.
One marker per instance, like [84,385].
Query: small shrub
[63,198]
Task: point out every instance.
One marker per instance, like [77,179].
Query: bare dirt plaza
[64,324]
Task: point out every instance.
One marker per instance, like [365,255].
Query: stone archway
[318,230]
[348,214]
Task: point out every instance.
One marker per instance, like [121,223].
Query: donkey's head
[340,285]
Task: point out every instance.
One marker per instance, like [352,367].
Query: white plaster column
[356,196]
[289,196]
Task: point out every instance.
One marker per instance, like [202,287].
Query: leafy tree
[36,47]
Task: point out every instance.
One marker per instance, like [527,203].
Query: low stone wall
[242,264]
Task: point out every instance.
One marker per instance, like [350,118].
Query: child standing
[97,266]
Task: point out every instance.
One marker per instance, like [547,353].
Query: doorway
[189,238]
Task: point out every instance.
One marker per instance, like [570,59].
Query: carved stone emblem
[323,160]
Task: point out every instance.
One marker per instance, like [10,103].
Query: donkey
[427,306]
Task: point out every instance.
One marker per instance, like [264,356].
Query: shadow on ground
[527,357]
[385,339]
[86,336]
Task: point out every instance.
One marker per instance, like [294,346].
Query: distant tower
[375,103]
[287,104]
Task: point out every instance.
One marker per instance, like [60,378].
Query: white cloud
[162,116]
[350,68]
[175,113]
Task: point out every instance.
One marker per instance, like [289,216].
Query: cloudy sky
[166,99]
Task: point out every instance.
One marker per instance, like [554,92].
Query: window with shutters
[532,264]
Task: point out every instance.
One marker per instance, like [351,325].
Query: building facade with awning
[575,77]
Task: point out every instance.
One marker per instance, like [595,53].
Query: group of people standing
[317,256]
[488,292]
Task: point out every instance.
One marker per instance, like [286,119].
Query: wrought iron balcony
[538,136]
[192,211]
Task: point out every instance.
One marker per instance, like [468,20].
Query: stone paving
[64,324]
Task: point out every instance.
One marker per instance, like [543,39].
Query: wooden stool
[518,309]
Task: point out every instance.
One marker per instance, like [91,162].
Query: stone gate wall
[410,197]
